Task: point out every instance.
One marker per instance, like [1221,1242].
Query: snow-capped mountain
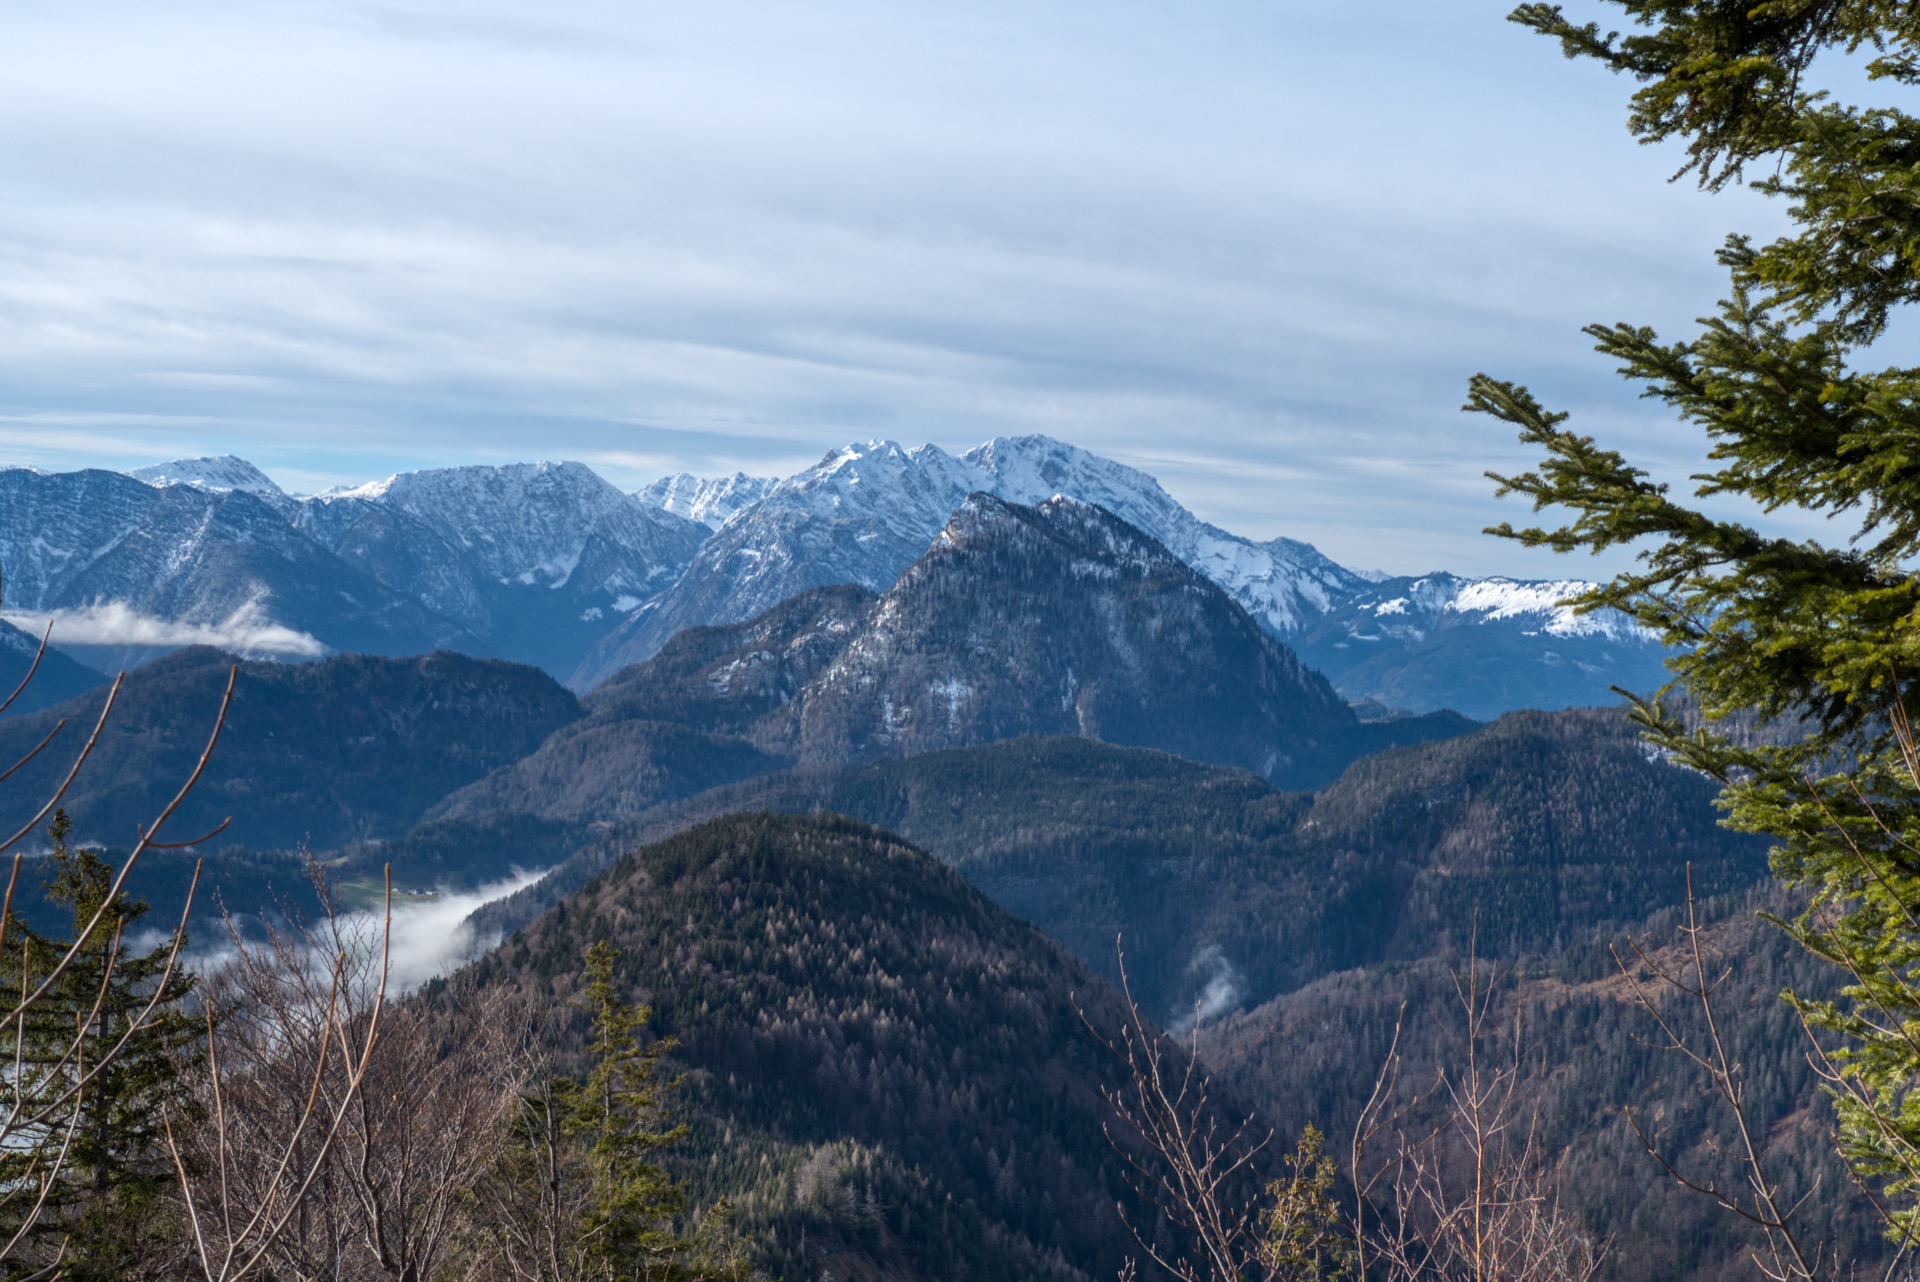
[539,560]
[217,474]
[529,561]
[551,564]
[1284,584]
[1479,646]
[866,512]
[128,569]
[860,515]
[709,501]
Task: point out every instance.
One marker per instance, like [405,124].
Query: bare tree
[1468,1194]
[1461,1192]
[1186,1158]
[292,1028]
[429,1123]
[41,1105]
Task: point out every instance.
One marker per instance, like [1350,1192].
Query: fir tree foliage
[1305,1237]
[583,1194]
[1820,637]
[617,1111]
[111,1042]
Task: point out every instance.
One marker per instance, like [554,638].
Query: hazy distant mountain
[550,564]
[1479,646]
[866,512]
[536,560]
[132,569]
[218,474]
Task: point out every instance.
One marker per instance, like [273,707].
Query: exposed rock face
[1063,619]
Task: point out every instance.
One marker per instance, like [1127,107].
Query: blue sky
[1255,249]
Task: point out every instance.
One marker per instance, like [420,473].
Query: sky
[1253,248]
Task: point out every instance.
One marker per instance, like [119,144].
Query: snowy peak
[884,480]
[1480,646]
[709,501]
[1061,618]
[1031,469]
[1411,608]
[867,510]
[217,474]
[527,522]
[539,559]
[1285,584]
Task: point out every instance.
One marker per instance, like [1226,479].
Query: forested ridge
[884,1066]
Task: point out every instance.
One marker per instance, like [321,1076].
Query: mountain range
[868,854]
[550,564]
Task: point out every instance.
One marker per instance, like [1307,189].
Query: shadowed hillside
[887,1073]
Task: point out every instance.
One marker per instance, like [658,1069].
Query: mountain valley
[875,774]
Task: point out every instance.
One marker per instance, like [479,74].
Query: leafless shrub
[1183,1155]
[41,1106]
[292,1027]
[1464,1190]
[1448,1184]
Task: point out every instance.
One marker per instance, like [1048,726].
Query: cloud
[430,233]
[247,631]
[432,936]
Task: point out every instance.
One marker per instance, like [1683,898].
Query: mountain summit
[548,563]
[1061,618]
[865,512]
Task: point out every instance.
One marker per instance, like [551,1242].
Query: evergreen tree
[112,1036]
[1821,638]
[618,1113]
[582,1195]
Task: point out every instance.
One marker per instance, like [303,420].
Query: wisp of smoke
[246,631]
[1219,989]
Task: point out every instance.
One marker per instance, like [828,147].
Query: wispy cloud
[432,936]
[426,233]
[247,631]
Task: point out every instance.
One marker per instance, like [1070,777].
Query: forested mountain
[325,753]
[1589,1053]
[1019,621]
[1542,829]
[1063,619]
[57,679]
[889,1076]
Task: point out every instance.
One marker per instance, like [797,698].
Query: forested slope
[887,1073]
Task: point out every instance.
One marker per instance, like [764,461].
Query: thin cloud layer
[1264,239]
[246,631]
[433,936]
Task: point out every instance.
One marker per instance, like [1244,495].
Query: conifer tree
[1819,637]
[582,1194]
[113,1036]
